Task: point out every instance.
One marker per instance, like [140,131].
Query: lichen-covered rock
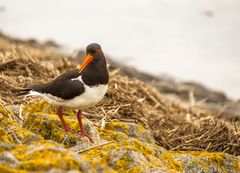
[42,157]
[12,132]
[132,130]
[9,159]
[42,145]
[200,162]
[50,127]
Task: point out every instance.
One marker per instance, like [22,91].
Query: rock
[11,132]
[50,127]
[127,147]
[202,162]
[132,130]
[41,158]
[9,159]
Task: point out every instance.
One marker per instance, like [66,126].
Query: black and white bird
[80,88]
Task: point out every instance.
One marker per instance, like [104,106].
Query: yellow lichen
[205,159]
[213,158]
[123,127]
[172,164]
[136,169]
[42,107]
[5,112]
[44,157]
[6,169]
[49,126]
[4,137]
[18,134]
[101,155]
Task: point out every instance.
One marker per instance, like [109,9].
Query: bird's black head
[94,49]
[94,69]
[94,56]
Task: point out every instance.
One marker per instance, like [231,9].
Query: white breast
[90,97]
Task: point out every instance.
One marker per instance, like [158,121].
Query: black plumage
[62,87]
[65,88]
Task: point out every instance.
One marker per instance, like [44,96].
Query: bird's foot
[83,133]
[70,130]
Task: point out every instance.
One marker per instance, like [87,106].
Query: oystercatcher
[80,88]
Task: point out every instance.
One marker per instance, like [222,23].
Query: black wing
[63,86]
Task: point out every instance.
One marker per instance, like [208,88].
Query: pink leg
[65,126]
[83,132]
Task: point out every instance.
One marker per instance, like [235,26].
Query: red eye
[97,49]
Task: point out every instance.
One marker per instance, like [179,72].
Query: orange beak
[85,63]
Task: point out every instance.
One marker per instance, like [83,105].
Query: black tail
[22,92]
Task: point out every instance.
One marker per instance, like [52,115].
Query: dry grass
[22,64]
[174,126]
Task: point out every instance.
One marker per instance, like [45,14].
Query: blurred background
[194,40]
